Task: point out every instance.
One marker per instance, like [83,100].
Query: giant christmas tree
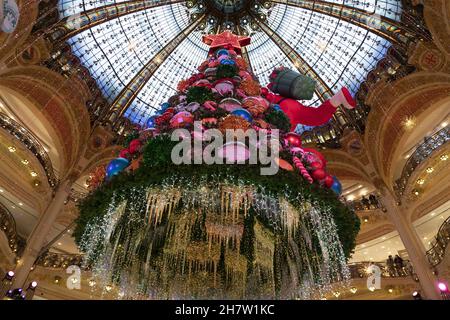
[155,228]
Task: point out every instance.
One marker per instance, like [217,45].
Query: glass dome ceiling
[138,51]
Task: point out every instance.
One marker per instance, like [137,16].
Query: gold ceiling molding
[101,158]
[341,162]
[15,176]
[9,42]
[390,104]
[437,195]
[374,233]
[60,103]
[430,181]
[437,17]
[427,56]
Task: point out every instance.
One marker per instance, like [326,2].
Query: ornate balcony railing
[361,270]
[436,253]
[8,226]
[59,260]
[371,202]
[76,196]
[31,143]
[422,153]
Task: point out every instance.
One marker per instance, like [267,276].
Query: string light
[144,205]
[409,122]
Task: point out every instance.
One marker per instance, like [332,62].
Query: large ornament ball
[316,165]
[293,139]
[134,146]
[314,154]
[116,166]
[328,181]
[227,62]
[243,114]
[234,152]
[224,88]
[181,119]
[125,153]
[318,174]
[151,123]
[277,108]
[165,106]
[222,52]
[336,186]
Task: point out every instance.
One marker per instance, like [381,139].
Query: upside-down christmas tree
[159,230]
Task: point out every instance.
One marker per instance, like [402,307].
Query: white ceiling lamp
[9,15]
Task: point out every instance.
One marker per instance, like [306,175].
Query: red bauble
[318,155]
[293,140]
[328,181]
[125,153]
[318,174]
[316,165]
[134,146]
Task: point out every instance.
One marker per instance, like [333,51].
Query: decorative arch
[391,103]
[434,195]
[437,17]
[344,166]
[59,103]
[9,42]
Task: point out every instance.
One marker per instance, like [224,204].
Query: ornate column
[37,238]
[412,243]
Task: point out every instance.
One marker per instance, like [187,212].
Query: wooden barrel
[291,84]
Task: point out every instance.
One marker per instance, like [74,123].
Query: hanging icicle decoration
[179,240]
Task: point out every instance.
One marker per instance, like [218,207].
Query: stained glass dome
[138,51]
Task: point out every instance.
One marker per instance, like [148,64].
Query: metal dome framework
[137,51]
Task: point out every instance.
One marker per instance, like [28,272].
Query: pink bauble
[230,104]
[262,101]
[181,119]
[223,57]
[224,88]
[293,140]
[296,150]
[202,82]
[318,174]
[234,152]
[192,107]
[134,146]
